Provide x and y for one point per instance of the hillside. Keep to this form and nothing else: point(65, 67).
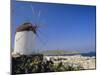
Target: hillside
point(58, 52)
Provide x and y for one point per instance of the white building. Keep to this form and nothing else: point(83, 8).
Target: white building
point(24, 39)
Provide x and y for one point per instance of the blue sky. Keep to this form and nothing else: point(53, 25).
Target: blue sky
point(63, 26)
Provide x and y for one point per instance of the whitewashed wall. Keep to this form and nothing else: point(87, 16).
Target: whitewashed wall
point(24, 42)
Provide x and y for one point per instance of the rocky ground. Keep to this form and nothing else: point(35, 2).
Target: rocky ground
point(23, 64)
point(77, 60)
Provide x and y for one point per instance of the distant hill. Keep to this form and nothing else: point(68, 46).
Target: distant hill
point(58, 52)
point(64, 52)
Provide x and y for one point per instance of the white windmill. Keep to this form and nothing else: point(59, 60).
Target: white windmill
point(25, 38)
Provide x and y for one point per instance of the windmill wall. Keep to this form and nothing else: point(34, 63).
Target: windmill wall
point(24, 42)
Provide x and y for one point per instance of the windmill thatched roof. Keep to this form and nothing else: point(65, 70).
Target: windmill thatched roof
point(26, 27)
